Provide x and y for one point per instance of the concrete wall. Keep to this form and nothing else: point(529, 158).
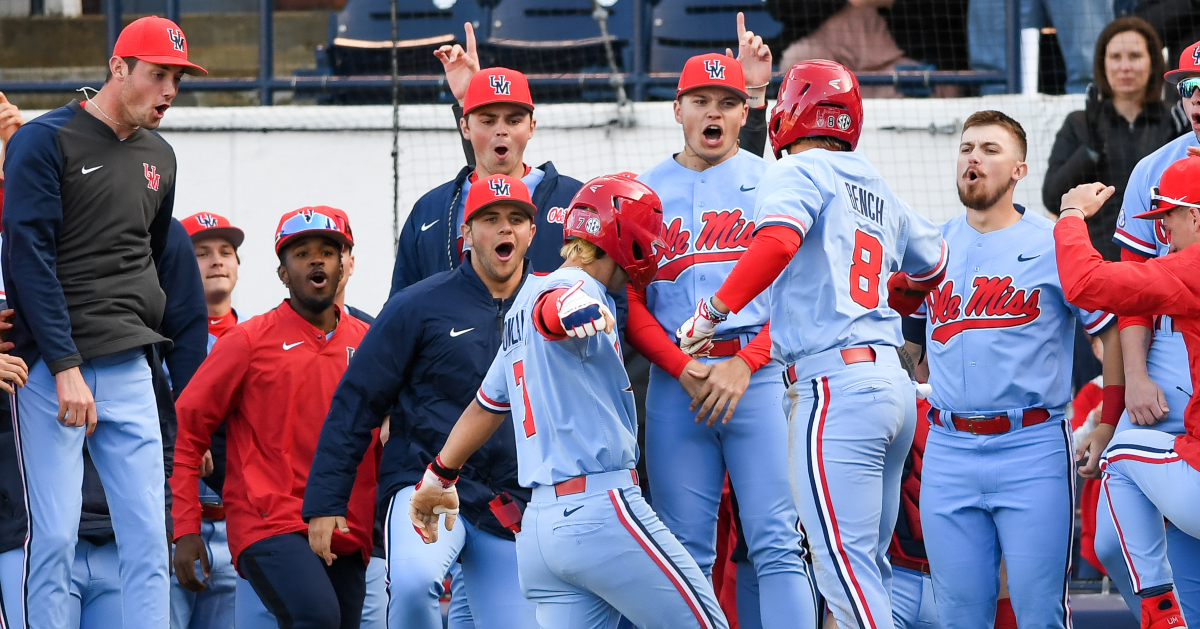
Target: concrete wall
point(253, 164)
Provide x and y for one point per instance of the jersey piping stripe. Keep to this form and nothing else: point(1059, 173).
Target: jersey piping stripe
point(12, 400)
point(387, 565)
point(1137, 581)
point(1069, 535)
point(1135, 244)
point(664, 562)
point(490, 404)
point(820, 489)
point(941, 266)
point(1100, 324)
point(782, 220)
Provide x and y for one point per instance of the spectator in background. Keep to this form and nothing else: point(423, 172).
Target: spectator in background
point(1124, 120)
point(873, 35)
point(1077, 22)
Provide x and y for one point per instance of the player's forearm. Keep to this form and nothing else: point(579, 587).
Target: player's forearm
point(1114, 374)
point(768, 255)
point(474, 427)
point(1135, 347)
point(1122, 288)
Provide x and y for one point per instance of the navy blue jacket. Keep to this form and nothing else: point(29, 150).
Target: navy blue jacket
point(185, 323)
point(411, 365)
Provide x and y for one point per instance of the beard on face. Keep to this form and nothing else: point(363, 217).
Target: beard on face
point(313, 303)
point(981, 198)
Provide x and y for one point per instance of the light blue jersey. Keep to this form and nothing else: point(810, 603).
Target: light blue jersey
point(573, 411)
point(707, 225)
point(856, 233)
point(1002, 338)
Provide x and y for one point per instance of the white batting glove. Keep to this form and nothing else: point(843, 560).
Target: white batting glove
point(433, 496)
point(695, 335)
point(924, 390)
point(581, 315)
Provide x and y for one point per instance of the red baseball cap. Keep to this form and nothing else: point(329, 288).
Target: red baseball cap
point(156, 40)
point(209, 225)
point(317, 220)
point(712, 70)
point(498, 189)
point(497, 85)
point(1189, 64)
point(1179, 186)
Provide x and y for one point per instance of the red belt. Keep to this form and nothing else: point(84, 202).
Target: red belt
point(911, 564)
point(578, 485)
point(212, 512)
point(723, 349)
point(992, 424)
point(850, 356)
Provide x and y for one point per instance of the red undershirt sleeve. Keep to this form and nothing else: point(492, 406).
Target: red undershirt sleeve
point(647, 336)
point(768, 255)
point(545, 316)
point(757, 352)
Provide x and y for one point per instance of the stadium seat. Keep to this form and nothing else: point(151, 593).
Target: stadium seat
point(684, 28)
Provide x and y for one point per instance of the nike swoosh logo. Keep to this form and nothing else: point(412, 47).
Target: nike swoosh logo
point(425, 226)
point(745, 189)
point(213, 321)
point(454, 333)
point(286, 346)
point(567, 512)
point(1022, 258)
point(85, 170)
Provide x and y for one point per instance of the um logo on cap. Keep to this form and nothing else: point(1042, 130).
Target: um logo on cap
point(207, 221)
point(499, 188)
point(177, 39)
point(499, 84)
point(307, 213)
point(1196, 56)
point(715, 69)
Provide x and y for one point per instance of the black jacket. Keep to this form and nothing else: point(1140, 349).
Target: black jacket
point(1071, 164)
point(430, 348)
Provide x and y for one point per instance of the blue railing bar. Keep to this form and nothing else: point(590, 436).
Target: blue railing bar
point(172, 10)
point(266, 52)
point(112, 24)
point(639, 61)
point(1012, 43)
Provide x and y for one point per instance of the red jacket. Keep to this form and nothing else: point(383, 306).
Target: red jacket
point(1169, 285)
point(271, 379)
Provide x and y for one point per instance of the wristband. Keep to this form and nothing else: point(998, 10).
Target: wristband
point(1068, 209)
point(759, 87)
point(449, 475)
point(1114, 404)
point(711, 312)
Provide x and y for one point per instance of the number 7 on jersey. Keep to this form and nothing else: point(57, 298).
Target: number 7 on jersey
point(519, 376)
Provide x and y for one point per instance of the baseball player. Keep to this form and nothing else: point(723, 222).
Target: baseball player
point(434, 343)
point(215, 243)
point(999, 463)
point(1148, 474)
point(828, 227)
point(89, 195)
point(270, 380)
point(1155, 358)
point(704, 189)
point(590, 548)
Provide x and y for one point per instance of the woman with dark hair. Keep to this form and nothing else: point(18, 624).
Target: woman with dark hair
point(1124, 120)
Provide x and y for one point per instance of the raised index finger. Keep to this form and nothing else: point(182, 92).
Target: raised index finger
point(741, 25)
point(470, 38)
point(3, 99)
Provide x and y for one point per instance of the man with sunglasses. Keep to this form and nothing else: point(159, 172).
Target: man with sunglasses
point(1157, 380)
point(271, 380)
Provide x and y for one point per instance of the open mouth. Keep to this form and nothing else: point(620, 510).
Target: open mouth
point(713, 133)
point(161, 110)
point(318, 278)
point(971, 176)
point(1196, 119)
point(501, 152)
point(505, 251)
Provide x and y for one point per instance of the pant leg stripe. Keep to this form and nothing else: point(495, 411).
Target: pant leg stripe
point(387, 564)
point(648, 544)
point(12, 400)
point(1133, 575)
point(1066, 588)
point(820, 489)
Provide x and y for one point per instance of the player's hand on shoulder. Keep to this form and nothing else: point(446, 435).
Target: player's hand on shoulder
point(432, 497)
point(1144, 400)
point(459, 64)
point(695, 335)
point(1087, 198)
point(188, 550)
point(583, 315)
point(320, 535)
point(1091, 449)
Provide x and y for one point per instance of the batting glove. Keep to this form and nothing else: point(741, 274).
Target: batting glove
point(433, 496)
point(695, 335)
point(581, 315)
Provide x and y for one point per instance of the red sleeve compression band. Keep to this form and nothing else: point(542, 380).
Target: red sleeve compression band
point(769, 253)
point(1127, 321)
point(1114, 404)
point(757, 352)
point(647, 336)
point(545, 317)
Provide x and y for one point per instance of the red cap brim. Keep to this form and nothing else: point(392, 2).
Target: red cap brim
point(499, 102)
point(1155, 213)
point(188, 66)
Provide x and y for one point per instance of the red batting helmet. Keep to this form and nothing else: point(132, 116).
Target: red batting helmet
point(622, 216)
point(816, 97)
